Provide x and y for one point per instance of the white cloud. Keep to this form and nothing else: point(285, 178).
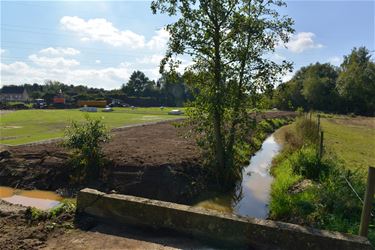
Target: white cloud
point(287, 76)
point(60, 51)
point(275, 57)
point(2, 51)
point(152, 60)
point(98, 61)
point(53, 61)
point(336, 60)
point(160, 40)
point(108, 78)
point(302, 41)
point(99, 29)
point(102, 30)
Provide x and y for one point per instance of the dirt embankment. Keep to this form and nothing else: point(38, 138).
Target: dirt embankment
point(154, 161)
point(19, 230)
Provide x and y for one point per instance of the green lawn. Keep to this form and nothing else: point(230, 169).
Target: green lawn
point(25, 126)
point(352, 139)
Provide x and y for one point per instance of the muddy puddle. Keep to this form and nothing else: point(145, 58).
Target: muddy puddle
point(253, 194)
point(30, 198)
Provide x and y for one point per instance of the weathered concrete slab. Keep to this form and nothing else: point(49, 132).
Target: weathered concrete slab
point(211, 225)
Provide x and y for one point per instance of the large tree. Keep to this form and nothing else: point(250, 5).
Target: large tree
point(137, 84)
point(356, 82)
point(312, 87)
point(319, 86)
point(228, 41)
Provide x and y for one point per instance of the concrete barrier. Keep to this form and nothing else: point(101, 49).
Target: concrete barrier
point(210, 225)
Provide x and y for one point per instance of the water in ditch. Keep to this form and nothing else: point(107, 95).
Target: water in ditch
point(253, 195)
point(30, 198)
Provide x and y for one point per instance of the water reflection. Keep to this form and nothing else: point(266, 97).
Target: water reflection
point(31, 198)
point(252, 195)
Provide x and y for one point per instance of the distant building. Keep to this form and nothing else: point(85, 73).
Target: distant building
point(13, 93)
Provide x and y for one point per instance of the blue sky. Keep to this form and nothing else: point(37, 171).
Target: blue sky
point(99, 44)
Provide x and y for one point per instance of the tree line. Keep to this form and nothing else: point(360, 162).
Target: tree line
point(138, 91)
point(349, 88)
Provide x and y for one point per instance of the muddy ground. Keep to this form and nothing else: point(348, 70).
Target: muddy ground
point(19, 231)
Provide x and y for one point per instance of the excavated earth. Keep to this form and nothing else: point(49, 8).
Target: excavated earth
point(154, 161)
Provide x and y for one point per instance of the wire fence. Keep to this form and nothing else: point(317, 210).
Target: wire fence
point(321, 150)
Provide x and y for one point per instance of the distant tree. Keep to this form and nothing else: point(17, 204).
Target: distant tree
point(356, 82)
point(137, 84)
point(319, 87)
point(173, 90)
point(312, 87)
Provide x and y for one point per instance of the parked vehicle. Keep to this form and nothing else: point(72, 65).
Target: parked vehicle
point(39, 104)
point(98, 104)
point(175, 112)
point(88, 109)
point(107, 109)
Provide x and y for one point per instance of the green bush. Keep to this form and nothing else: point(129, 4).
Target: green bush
point(85, 139)
point(306, 163)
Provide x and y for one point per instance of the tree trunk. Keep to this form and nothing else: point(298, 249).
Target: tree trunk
point(217, 116)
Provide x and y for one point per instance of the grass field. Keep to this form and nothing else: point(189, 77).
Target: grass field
point(352, 139)
point(25, 126)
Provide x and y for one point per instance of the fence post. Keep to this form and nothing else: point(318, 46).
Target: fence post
point(318, 122)
point(321, 144)
point(367, 205)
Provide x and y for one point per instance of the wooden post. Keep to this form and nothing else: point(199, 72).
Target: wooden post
point(318, 122)
point(321, 144)
point(367, 205)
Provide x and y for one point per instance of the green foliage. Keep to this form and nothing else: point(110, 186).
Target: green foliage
point(86, 140)
point(283, 204)
point(305, 162)
point(67, 206)
point(226, 40)
point(34, 214)
point(356, 82)
point(349, 88)
point(137, 84)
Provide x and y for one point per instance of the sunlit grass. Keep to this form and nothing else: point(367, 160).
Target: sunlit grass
point(26, 126)
point(352, 139)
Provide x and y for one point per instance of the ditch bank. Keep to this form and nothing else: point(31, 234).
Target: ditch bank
point(230, 230)
point(154, 161)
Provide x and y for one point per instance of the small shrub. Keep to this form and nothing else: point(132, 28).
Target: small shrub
point(306, 163)
point(265, 126)
point(293, 142)
point(86, 139)
point(307, 130)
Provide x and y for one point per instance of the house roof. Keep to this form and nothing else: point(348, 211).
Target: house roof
point(12, 90)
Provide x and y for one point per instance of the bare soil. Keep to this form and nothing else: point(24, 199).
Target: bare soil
point(19, 231)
